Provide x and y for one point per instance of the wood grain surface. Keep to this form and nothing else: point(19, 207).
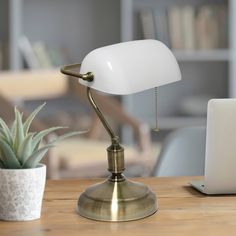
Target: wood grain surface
point(182, 211)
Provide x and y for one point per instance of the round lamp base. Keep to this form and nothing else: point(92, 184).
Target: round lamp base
point(122, 200)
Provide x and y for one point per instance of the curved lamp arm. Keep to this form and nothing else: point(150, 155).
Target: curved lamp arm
point(114, 138)
point(68, 70)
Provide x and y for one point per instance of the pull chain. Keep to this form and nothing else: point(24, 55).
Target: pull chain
point(156, 128)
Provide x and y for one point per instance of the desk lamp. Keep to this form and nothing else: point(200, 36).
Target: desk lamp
point(123, 68)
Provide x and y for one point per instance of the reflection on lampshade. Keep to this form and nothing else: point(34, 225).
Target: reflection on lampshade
point(130, 67)
point(123, 68)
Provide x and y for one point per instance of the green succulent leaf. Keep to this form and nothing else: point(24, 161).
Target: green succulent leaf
point(21, 149)
point(8, 156)
point(19, 131)
point(25, 148)
point(5, 131)
point(31, 117)
point(67, 135)
point(2, 164)
point(39, 136)
point(13, 129)
point(36, 157)
point(3, 136)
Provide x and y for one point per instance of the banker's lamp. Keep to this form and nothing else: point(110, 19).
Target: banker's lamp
point(123, 68)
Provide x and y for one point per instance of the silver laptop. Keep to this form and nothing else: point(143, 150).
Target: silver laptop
point(220, 156)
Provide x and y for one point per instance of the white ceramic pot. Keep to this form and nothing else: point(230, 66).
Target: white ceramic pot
point(21, 193)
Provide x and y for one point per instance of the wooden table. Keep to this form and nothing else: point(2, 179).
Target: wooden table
point(182, 211)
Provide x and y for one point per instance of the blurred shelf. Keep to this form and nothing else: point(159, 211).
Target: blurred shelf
point(203, 55)
point(205, 72)
point(34, 84)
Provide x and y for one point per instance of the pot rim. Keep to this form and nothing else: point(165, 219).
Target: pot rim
point(40, 166)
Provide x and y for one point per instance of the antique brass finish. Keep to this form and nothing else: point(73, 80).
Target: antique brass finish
point(68, 70)
point(101, 117)
point(115, 152)
point(117, 198)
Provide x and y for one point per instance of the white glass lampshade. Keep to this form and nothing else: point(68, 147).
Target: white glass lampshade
point(130, 67)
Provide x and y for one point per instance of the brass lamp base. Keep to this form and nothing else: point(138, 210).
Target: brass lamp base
point(117, 199)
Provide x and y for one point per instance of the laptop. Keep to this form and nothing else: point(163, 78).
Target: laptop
point(220, 155)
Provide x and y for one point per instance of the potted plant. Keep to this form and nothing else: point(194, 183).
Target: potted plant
point(22, 177)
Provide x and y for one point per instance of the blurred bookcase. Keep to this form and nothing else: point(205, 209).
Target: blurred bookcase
point(202, 35)
point(4, 35)
point(207, 72)
point(55, 29)
point(61, 29)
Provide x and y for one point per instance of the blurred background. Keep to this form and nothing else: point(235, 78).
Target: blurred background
point(37, 37)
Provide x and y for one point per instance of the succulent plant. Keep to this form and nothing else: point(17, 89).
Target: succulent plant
point(21, 149)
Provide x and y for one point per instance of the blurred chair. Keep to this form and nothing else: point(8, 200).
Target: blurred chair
point(75, 157)
point(86, 158)
point(183, 153)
